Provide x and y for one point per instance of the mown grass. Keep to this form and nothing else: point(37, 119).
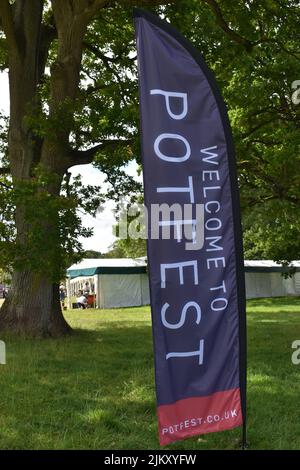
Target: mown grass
point(95, 389)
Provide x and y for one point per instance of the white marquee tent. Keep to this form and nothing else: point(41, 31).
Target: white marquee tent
point(264, 279)
point(123, 282)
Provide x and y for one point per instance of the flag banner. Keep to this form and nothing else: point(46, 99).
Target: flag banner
point(194, 244)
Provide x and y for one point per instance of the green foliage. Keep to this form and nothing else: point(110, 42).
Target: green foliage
point(46, 217)
point(92, 254)
point(256, 81)
point(127, 248)
point(3, 53)
point(130, 230)
point(255, 61)
point(110, 94)
point(105, 110)
point(256, 85)
point(272, 231)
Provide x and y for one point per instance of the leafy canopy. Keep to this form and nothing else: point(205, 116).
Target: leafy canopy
point(252, 47)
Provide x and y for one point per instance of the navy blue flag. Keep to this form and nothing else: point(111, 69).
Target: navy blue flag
point(194, 237)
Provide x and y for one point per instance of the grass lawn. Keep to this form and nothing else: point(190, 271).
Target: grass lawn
point(95, 389)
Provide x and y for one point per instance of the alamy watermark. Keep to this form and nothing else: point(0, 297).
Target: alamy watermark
point(2, 353)
point(164, 222)
point(296, 353)
point(296, 93)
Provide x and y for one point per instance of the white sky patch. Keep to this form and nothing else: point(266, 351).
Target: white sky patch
point(104, 221)
point(4, 93)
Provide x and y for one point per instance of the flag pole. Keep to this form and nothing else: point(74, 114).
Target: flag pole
point(243, 369)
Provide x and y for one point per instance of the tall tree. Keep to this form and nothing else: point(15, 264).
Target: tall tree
point(253, 48)
point(43, 50)
point(74, 100)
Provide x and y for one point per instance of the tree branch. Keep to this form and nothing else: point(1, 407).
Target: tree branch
point(83, 157)
point(4, 185)
point(108, 63)
point(104, 57)
point(48, 34)
point(93, 89)
point(259, 126)
point(248, 45)
point(5, 171)
point(6, 18)
point(280, 45)
point(68, 178)
point(94, 6)
point(146, 3)
point(230, 32)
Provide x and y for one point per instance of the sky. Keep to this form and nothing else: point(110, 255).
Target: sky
point(104, 221)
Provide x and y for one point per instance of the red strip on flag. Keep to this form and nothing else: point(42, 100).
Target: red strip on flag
point(219, 411)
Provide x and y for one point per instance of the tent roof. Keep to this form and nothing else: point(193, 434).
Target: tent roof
point(269, 266)
point(92, 266)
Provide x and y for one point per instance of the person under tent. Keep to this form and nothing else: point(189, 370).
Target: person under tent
point(82, 301)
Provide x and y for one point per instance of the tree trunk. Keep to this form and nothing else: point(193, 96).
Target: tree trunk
point(33, 307)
